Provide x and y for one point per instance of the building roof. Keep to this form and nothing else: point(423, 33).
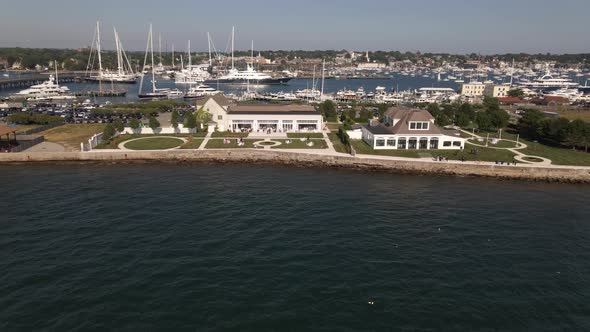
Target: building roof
point(220, 99)
point(272, 109)
point(402, 117)
point(5, 130)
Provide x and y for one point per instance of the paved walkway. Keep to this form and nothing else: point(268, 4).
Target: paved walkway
point(46, 147)
point(519, 155)
point(205, 141)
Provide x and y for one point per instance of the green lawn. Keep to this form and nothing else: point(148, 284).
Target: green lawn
point(483, 154)
point(304, 135)
point(338, 145)
point(298, 144)
point(558, 156)
point(227, 134)
point(195, 143)
point(154, 143)
point(218, 144)
point(114, 143)
point(333, 126)
point(499, 144)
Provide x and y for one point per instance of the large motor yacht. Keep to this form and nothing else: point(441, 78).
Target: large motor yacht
point(248, 76)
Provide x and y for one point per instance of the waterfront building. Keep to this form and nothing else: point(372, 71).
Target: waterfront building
point(496, 91)
point(410, 129)
point(474, 89)
point(230, 116)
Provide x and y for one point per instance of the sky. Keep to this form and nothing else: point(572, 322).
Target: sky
point(450, 26)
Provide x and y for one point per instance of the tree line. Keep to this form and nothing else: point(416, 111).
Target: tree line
point(554, 131)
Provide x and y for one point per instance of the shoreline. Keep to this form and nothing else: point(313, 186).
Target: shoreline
point(559, 174)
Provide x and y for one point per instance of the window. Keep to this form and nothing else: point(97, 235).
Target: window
point(456, 143)
point(446, 143)
point(401, 143)
point(391, 142)
point(419, 125)
point(220, 117)
point(380, 142)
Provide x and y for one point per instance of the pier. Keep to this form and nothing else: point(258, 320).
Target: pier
point(24, 82)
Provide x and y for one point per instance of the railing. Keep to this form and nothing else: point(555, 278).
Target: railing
point(39, 129)
point(23, 145)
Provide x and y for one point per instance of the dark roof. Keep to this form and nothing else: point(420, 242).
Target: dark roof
point(272, 109)
point(379, 130)
point(4, 130)
point(411, 114)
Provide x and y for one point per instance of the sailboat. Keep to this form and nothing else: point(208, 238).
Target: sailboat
point(162, 93)
point(124, 73)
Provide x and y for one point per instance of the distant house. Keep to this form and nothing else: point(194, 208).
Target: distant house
point(227, 115)
point(410, 129)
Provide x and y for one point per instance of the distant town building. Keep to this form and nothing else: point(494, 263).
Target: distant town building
point(410, 129)
point(475, 89)
point(496, 91)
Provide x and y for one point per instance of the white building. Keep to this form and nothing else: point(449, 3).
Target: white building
point(496, 91)
point(410, 129)
point(475, 89)
point(226, 115)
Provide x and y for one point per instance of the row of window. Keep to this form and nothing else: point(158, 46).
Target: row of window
point(381, 142)
point(419, 125)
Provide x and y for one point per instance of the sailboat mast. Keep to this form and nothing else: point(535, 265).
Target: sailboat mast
point(323, 77)
point(147, 47)
point(189, 55)
point(98, 48)
point(512, 72)
point(119, 54)
point(160, 46)
point(152, 53)
point(173, 65)
point(232, 46)
point(209, 44)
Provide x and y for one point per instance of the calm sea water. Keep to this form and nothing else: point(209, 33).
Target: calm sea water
point(257, 248)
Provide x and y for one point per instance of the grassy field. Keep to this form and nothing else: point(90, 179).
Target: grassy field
point(558, 156)
point(573, 114)
point(218, 144)
point(483, 154)
point(304, 135)
point(333, 126)
point(154, 143)
point(298, 144)
point(338, 145)
point(499, 144)
point(20, 128)
point(227, 134)
point(195, 143)
point(71, 135)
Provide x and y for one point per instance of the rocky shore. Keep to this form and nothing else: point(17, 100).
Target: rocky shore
point(518, 172)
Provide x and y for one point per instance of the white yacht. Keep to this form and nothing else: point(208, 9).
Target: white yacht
point(192, 74)
point(547, 82)
point(47, 89)
point(248, 76)
point(199, 91)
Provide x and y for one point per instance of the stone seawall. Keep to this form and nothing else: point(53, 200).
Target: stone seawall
point(549, 174)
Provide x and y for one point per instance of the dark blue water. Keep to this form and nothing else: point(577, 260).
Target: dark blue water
point(397, 82)
point(256, 248)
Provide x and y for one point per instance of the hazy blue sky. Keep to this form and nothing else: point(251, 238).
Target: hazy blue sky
point(457, 26)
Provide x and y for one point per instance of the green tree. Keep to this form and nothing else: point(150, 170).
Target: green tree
point(134, 124)
point(491, 104)
point(174, 119)
point(516, 93)
point(108, 132)
point(530, 123)
point(118, 124)
point(483, 121)
point(154, 123)
point(328, 110)
point(190, 121)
